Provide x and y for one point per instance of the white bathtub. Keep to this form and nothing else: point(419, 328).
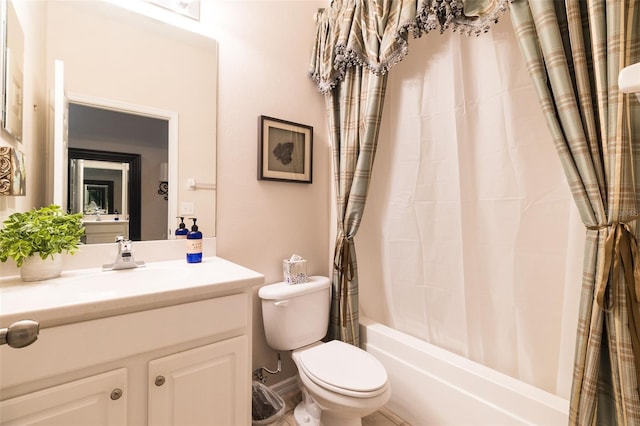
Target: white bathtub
point(431, 386)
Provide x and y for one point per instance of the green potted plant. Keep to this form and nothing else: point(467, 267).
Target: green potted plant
point(35, 240)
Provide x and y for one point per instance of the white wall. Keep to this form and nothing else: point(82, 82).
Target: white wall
point(264, 51)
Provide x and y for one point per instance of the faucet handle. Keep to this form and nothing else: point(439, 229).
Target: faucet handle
point(124, 258)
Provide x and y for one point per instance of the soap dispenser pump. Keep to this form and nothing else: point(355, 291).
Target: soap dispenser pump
point(182, 231)
point(194, 244)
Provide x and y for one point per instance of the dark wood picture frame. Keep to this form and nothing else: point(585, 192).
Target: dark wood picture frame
point(285, 150)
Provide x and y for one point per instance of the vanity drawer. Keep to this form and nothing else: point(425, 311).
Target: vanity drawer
point(105, 232)
point(66, 348)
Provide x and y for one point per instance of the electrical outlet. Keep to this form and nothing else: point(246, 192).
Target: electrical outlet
point(186, 208)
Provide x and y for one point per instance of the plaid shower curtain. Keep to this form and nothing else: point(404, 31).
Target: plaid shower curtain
point(575, 50)
point(357, 43)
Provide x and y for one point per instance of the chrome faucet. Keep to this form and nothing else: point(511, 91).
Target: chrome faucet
point(124, 258)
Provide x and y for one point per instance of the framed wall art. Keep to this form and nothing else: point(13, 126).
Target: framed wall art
point(285, 150)
point(12, 171)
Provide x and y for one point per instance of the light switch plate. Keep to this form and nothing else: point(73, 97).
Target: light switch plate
point(186, 208)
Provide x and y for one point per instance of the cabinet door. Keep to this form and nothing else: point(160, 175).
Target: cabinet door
point(203, 386)
point(95, 400)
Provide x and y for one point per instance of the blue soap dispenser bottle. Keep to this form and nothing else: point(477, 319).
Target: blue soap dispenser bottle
point(194, 244)
point(182, 231)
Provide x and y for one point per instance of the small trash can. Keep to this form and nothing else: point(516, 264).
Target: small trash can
point(266, 406)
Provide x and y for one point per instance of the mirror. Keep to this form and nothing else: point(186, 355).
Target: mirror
point(166, 94)
point(12, 78)
point(99, 188)
point(118, 140)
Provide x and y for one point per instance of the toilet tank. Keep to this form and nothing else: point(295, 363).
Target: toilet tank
point(295, 315)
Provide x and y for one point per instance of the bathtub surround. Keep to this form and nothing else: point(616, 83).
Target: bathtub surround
point(432, 386)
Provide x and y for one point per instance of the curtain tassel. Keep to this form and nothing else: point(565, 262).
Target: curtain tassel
point(621, 255)
point(342, 263)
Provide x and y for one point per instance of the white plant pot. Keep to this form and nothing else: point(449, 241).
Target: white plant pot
point(36, 269)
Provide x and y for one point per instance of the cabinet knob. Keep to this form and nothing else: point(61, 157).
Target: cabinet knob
point(20, 333)
point(160, 380)
point(116, 394)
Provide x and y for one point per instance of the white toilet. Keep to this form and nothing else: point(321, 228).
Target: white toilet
point(340, 383)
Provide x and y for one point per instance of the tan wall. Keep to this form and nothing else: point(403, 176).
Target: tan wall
point(264, 50)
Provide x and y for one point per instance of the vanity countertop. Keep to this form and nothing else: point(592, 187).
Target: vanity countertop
point(84, 294)
point(101, 221)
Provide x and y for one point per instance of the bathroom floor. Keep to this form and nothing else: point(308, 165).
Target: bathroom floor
point(382, 417)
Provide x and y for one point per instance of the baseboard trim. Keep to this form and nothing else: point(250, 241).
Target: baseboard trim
point(285, 386)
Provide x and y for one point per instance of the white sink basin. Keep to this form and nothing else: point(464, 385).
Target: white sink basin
point(91, 293)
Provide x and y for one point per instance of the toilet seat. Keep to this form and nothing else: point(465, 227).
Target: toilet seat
point(343, 368)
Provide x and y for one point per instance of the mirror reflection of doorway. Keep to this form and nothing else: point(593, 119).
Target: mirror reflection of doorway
point(97, 128)
point(99, 193)
point(131, 189)
point(114, 175)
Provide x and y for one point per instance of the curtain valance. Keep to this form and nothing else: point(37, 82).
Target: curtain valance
point(373, 34)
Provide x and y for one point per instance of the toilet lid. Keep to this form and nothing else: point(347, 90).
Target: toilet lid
point(343, 366)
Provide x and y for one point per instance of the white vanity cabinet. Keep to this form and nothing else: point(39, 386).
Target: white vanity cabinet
point(185, 364)
point(93, 400)
point(201, 386)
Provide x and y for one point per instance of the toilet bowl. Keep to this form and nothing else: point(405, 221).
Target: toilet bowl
point(340, 383)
